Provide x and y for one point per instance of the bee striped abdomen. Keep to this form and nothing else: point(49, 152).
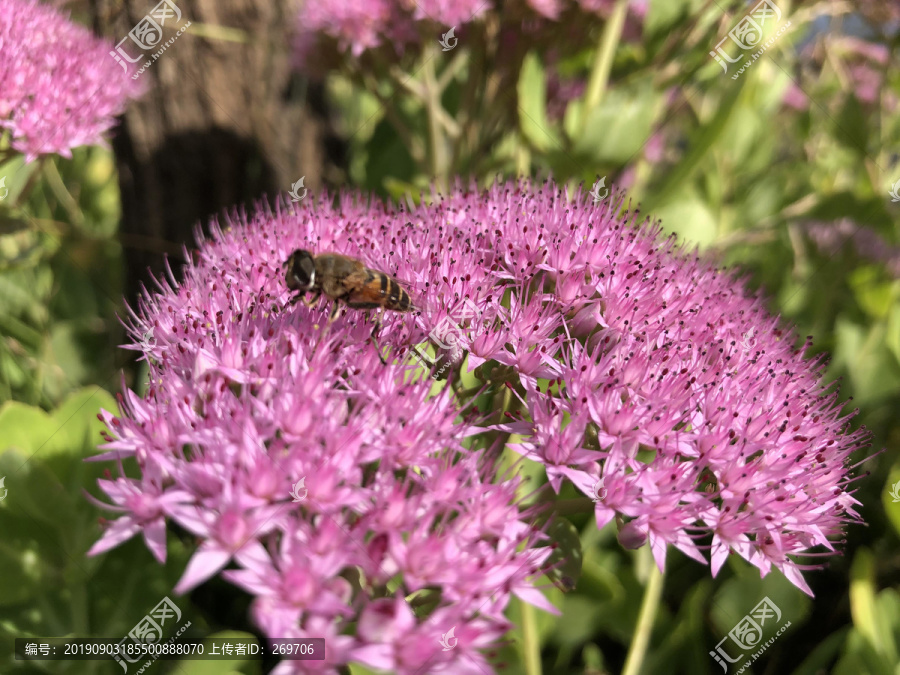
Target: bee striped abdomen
point(397, 299)
point(405, 304)
point(394, 297)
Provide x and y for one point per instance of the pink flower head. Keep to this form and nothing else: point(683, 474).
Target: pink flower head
point(59, 87)
point(301, 460)
point(450, 12)
point(357, 24)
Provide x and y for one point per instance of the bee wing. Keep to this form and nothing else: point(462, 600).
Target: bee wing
point(360, 285)
point(368, 288)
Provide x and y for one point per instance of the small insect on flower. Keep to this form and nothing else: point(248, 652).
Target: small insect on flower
point(344, 279)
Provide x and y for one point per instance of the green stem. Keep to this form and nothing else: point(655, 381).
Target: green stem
point(437, 147)
point(531, 646)
point(523, 159)
point(58, 186)
point(469, 100)
point(29, 183)
point(641, 637)
point(395, 118)
point(612, 33)
point(456, 64)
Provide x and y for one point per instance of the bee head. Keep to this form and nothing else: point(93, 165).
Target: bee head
point(301, 271)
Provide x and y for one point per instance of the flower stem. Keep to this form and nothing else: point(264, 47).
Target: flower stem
point(58, 186)
point(523, 160)
point(438, 154)
point(29, 183)
point(641, 637)
point(392, 112)
point(532, 647)
point(612, 33)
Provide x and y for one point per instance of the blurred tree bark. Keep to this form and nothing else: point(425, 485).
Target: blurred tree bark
point(224, 123)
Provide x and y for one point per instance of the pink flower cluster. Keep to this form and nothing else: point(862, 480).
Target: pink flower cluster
point(59, 88)
point(358, 25)
point(650, 380)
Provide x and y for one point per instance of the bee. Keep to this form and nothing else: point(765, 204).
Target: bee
point(343, 280)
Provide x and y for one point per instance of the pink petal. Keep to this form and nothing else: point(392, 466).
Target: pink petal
point(155, 538)
point(121, 529)
point(209, 559)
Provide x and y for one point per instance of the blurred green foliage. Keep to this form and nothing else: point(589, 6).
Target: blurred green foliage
point(748, 170)
point(60, 277)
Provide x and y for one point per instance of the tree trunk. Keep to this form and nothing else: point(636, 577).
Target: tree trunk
point(224, 122)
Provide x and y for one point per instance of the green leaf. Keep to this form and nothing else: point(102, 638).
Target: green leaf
point(740, 594)
point(24, 427)
point(703, 142)
point(387, 156)
point(869, 615)
point(21, 245)
point(860, 657)
point(690, 219)
point(42, 459)
point(862, 352)
point(567, 554)
point(72, 429)
point(18, 572)
point(619, 126)
point(890, 497)
point(17, 174)
point(684, 640)
point(532, 91)
point(852, 126)
point(65, 351)
point(35, 494)
point(823, 655)
point(892, 339)
point(579, 621)
point(663, 14)
point(401, 190)
point(873, 293)
point(235, 666)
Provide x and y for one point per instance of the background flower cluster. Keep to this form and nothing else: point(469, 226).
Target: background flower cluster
point(60, 89)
